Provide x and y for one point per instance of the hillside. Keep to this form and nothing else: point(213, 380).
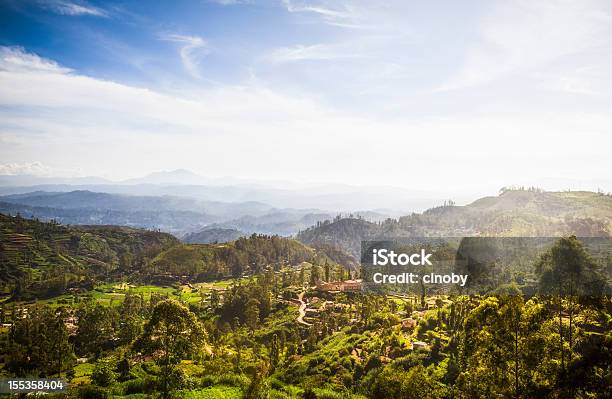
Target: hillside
point(39, 260)
point(211, 235)
point(245, 256)
point(44, 259)
point(512, 213)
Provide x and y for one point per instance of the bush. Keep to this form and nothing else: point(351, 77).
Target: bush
point(279, 395)
point(258, 388)
point(275, 383)
point(140, 385)
point(329, 394)
point(179, 380)
point(103, 374)
point(208, 381)
point(92, 392)
point(234, 380)
point(309, 394)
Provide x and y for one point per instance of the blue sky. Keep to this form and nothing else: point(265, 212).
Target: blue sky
point(469, 95)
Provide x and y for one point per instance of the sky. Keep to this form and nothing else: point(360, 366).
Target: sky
point(466, 96)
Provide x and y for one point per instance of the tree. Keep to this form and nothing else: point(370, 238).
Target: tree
point(414, 384)
point(251, 313)
point(130, 327)
point(96, 328)
point(171, 334)
point(566, 269)
point(103, 374)
point(215, 299)
point(258, 387)
point(39, 343)
point(275, 350)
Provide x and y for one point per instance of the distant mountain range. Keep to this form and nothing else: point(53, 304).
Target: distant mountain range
point(183, 183)
point(176, 215)
point(513, 213)
point(182, 202)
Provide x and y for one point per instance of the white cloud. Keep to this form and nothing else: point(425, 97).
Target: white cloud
point(355, 14)
point(32, 168)
point(313, 53)
point(521, 36)
point(193, 48)
point(15, 59)
point(60, 117)
point(73, 8)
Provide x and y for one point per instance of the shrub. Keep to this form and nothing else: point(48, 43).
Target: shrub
point(179, 380)
point(234, 380)
point(208, 381)
point(275, 383)
point(140, 385)
point(309, 394)
point(279, 395)
point(92, 392)
point(103, 374)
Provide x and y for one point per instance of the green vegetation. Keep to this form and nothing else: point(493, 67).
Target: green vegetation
point(516, 212)
point(42, 260)
point(47, 260)
point(221, 321)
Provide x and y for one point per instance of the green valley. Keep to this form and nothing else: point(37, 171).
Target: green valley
point(119, 312)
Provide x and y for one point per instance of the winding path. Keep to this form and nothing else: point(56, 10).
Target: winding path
point(302, 310)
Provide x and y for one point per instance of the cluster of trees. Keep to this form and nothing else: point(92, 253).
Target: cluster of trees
point(44, 342)
point(247, 255)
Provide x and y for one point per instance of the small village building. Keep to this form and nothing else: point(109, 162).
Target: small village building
point(419, 345)
point(409, 323)
point(340, 286)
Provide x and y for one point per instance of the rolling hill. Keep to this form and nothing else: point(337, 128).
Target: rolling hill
point(40, 260)
point(511, 213)
point(44, 259)
point(213, 235)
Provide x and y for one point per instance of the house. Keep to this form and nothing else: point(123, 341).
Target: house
point(341, 286)
point(419, 345)
point(409, 323)
point(351, 285)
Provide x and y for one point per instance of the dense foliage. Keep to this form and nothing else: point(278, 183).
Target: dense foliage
point(268, 332)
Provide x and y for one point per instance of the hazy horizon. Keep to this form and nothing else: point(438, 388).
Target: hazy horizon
point(460, 100)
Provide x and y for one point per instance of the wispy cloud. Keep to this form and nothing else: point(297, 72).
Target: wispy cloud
point(337, 14)
point(74, 8)
point(520, 36)
point(192, 50)
point(316, 52)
